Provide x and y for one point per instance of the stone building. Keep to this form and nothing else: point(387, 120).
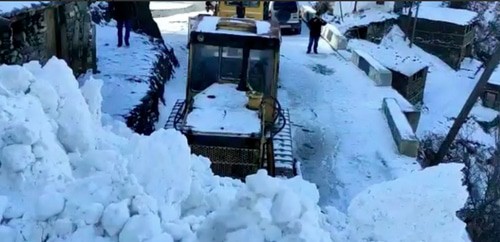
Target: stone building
point(444, 32)
point(38, 32)
point(491, 95)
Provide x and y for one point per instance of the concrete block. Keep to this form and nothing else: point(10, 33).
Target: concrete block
point(376, 71)
point(402, 132)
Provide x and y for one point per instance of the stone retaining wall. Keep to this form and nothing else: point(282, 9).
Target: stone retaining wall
point(61, 29)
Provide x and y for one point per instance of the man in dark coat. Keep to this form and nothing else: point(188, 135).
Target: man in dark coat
point(315, 25)
point(123, 12)
point(240, 10)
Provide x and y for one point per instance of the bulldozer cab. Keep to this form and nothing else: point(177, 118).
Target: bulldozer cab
point(241, 52)
point(231, 108)
point(257, 10)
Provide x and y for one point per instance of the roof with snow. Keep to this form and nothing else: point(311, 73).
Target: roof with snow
point(213, 24)
point(396, 60)
point(364, 18)
point(495, 77)
point(448, 15)
point(9, 9)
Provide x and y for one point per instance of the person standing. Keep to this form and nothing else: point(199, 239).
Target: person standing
point(315, 25)
point(240, 10)
point(123, 12)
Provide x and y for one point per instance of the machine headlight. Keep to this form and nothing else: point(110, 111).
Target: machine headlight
point(200, 37)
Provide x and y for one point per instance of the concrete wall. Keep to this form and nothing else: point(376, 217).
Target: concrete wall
point(62, 30)
point(379, 74)
point(402, 132)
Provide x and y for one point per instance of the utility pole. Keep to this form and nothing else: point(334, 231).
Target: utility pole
point(414, 24)
point(462, 116)
point(341, 14)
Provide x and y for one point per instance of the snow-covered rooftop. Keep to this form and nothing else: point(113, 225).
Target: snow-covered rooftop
point(443, 14)
point(395, 59)
point(222, 109)
point(364, 18)
point(7, 7)
point(495, 77)
point(208, 24)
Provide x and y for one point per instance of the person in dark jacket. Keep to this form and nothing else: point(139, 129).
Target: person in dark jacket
point(123, 12)
point(240, 10)
point(315, 25)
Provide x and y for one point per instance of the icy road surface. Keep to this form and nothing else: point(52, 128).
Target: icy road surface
point(340, 134)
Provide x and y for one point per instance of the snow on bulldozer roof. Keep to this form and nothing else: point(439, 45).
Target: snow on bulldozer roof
point(236, 26)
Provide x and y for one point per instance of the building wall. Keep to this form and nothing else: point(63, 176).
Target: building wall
point(450, 42)
point(62, 30)
point(373, 32)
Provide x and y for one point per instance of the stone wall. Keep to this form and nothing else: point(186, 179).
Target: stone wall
point(61, 29)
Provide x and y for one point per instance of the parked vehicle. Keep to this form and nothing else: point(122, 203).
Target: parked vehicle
point(253, 9)
point(287, 13)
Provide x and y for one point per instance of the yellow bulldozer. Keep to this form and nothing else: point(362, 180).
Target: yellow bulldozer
point(231, 113)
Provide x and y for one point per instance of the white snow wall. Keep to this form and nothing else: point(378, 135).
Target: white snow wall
point(66, 177)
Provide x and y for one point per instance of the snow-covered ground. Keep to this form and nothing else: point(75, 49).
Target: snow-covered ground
point(125, 70)
point(70, 174)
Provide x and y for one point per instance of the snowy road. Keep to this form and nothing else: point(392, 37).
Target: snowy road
point(340, 134)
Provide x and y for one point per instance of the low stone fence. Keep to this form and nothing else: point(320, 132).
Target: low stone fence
point(401, 130)
point(376, 71)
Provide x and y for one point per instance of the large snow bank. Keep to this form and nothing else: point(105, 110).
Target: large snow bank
point(66, 177)
point(417, 207)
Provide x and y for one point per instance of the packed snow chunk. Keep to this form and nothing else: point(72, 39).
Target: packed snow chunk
point(49, 204)
point(90, 214)
point(262, 184)
point(75, 121)
point(161, 238)
point(63, 227)
point(91, 91)
point(16, 157)
point(20, 133)
point(419, 207)
point(115, 216)
point(162, 164)
point(141, 228)
point(7, 234)
point(258, 215)
point(286, 207)
point(14, 80)
point(143, 204)
point(249, 234)
point(4, 202)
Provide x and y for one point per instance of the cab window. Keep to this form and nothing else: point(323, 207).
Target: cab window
point(251, 4)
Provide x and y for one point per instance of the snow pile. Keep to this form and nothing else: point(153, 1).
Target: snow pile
point(417, 207)
point(65, 177)
point(273, 211)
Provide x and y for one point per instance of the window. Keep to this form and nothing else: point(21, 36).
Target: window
point(204, 67)
point(230, 63)
point(251, 4)
point(490, 98)
point(289, 6)
point(261, 70)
